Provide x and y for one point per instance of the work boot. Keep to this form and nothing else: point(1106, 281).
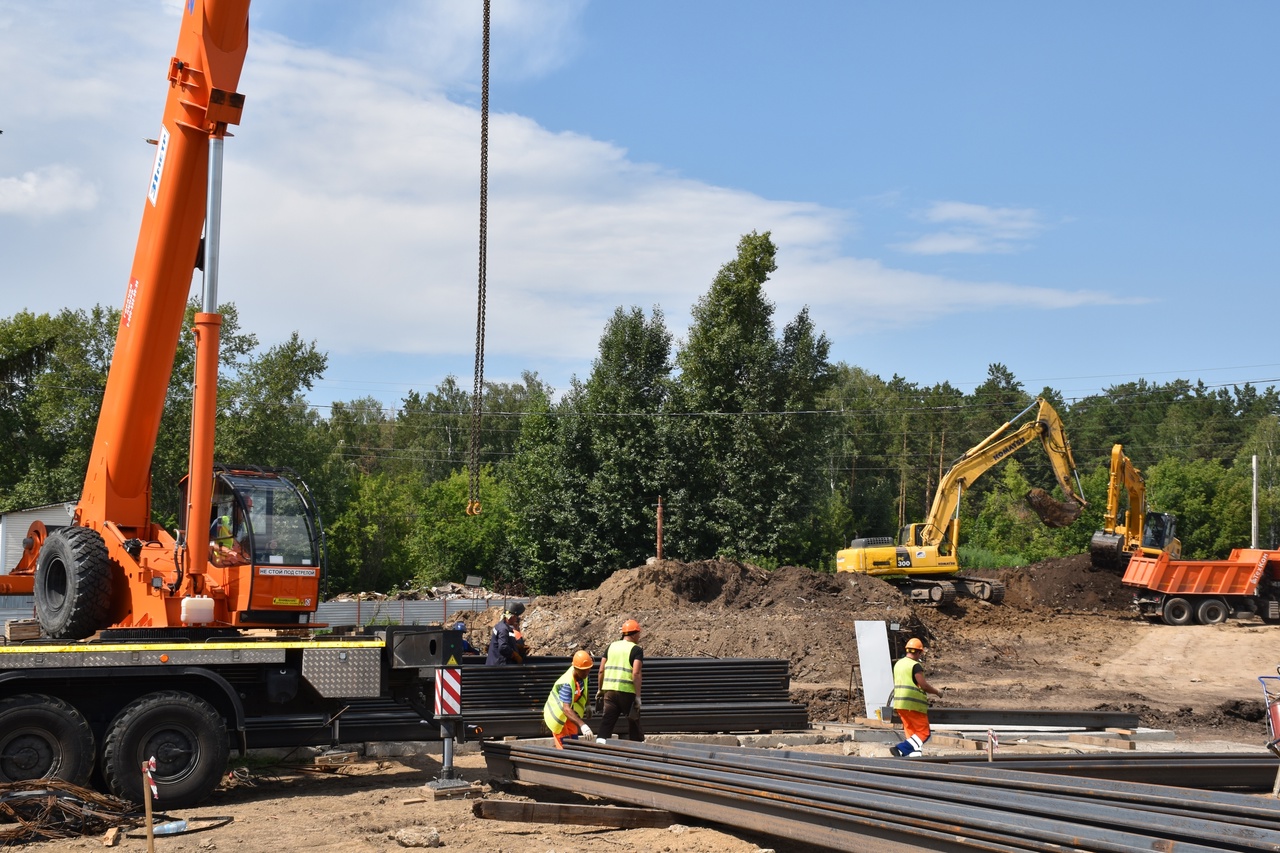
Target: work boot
point(895, 752)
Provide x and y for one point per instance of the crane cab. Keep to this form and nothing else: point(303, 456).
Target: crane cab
point(266, 546)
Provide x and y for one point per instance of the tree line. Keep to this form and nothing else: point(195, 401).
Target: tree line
point(758, 446)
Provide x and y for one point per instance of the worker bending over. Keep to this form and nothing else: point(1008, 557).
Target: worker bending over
point(910, 700)
point(567, 702)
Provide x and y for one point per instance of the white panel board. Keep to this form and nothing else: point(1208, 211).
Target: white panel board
point(876, 666)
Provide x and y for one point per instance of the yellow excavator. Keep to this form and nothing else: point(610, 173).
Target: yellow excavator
point(923, 560)
point(1133, 529)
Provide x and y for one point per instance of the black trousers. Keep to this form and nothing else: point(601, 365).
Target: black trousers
point(618, 704)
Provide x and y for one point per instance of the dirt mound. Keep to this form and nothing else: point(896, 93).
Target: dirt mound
point(722, 608)
point(1056, 642)
point(1065, 583)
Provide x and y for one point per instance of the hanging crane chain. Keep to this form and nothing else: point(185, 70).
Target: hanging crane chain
point(477, 387)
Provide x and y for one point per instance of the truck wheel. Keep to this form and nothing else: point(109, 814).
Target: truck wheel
point(73, 584)
point(1177, 611)
point(186, 736)
point(43, 737)
point(1212, 611)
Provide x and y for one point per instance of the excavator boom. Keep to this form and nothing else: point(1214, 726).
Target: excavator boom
point(923, 560)
point(1132, 529)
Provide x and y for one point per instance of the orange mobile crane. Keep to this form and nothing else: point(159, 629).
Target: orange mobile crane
point(113, 567)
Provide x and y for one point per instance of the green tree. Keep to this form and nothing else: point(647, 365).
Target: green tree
point(448, 545)
point(748, 469)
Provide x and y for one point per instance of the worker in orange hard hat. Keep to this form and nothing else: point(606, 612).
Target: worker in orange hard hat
point(566, 705)
point(911, 700)
point(620, 669)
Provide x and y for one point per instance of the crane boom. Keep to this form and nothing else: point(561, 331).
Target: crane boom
point(249, 551)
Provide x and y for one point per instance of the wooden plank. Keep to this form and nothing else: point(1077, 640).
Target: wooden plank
point(1102, 740)
point(22, 629)
point(873, 723)
point(951, 742)
point(446, 792)
point(1121, 732)
point(614, 816)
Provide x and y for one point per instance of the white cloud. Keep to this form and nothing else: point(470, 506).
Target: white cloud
point(351, 205)
point(47, 191)
point(974, 229)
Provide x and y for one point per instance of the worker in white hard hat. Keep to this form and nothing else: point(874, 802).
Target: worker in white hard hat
point(565, 709)
point(911, 700)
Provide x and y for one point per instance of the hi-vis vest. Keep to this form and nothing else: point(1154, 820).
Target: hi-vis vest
point(553, 713)
point(617, 667)
point(906, 695)
point(222, 531)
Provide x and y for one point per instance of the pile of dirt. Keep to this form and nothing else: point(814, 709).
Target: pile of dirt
point(1064, 638)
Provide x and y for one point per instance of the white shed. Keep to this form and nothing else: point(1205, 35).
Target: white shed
point(14, 525)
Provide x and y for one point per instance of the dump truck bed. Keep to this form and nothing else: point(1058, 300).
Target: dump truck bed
point(1239, 574)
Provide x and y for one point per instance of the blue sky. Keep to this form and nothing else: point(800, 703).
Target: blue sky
point(1083, 192)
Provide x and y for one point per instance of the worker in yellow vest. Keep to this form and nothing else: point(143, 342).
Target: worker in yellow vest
point(620, 671)
point(566, 704)
point(911, 700)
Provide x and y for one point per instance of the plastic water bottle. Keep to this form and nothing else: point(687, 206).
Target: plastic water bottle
point(173, 827)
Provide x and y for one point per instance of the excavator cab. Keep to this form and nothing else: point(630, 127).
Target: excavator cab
point(1159, 530)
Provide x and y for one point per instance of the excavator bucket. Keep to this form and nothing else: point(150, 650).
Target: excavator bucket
point(1053, 513)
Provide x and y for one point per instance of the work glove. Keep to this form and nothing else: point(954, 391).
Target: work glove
point(587, 734)
point(599, 703)
point(634, 713)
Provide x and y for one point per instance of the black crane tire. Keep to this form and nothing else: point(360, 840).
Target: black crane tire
point(1178, 611)
point(184, 733)
point(73, 584)
point(44, 737)
point(1212, 611)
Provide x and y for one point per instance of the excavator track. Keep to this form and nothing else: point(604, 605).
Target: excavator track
point(928, 593)
point(983, 589)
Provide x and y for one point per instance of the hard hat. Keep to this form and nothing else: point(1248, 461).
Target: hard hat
point(460, 626)
point(631, 626)
point(582, 660)
point(516, 609)
point(914, 643)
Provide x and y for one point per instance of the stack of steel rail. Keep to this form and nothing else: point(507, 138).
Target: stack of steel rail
point(898, 805)
point(680, 695)
point(1220, 771)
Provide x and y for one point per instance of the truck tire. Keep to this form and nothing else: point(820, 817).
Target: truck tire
point(1178, 611)
point(43, 737)
point(73, 584)
point(1212, 611)
point(186, 736)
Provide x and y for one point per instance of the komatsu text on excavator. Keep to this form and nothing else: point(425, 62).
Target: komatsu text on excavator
point(923, 560)
point(1132, 529)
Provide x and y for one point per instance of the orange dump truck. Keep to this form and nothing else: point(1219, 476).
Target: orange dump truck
point(1180, 592)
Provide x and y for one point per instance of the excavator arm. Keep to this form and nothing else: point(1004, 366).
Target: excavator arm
point(939, 526)
point(923, 560)
point(1133, 529)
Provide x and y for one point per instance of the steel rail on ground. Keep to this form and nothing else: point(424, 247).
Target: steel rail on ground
point(852, 807)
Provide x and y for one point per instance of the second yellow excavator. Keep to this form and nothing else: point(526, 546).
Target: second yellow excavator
point(923, 560)
point(1133, 529)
